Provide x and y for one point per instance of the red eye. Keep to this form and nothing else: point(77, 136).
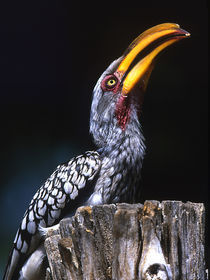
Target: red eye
point(109, 83)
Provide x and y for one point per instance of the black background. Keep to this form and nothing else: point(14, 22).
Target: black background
point(51, 55)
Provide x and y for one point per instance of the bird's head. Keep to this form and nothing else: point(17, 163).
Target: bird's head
point(118, 94)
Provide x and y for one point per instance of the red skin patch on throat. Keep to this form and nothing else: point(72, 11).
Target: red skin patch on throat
point(123, 111)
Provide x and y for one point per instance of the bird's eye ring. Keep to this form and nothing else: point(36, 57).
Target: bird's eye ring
point(109, 83)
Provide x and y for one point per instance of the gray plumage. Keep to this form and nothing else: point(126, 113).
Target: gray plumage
point(122, 150)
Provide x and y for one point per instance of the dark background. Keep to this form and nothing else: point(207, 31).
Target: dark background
point(51, 55)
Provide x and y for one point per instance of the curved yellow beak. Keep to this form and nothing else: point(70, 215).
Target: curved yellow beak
point(161, 35)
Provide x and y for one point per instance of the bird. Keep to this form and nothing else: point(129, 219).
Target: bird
point(109, 174)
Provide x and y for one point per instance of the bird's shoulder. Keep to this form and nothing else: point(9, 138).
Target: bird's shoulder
point(61, 188)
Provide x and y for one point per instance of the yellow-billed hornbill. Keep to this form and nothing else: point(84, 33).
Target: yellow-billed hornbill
point(111, 173)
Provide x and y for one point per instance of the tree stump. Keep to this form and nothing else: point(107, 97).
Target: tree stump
point(154, 241)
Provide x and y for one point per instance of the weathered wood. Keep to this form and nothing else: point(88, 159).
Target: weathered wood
point(58, 270)
point(154, 241)
point(126, 241)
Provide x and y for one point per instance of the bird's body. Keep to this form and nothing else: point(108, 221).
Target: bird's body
point(110, 174)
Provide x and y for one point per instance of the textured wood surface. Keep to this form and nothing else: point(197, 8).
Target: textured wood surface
point(154, 241)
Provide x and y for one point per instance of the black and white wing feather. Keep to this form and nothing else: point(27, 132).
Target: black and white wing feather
point(68, 187)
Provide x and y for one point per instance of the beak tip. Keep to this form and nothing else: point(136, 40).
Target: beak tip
point(184, 32)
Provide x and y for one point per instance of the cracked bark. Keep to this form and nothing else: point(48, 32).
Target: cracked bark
point(154, 241)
